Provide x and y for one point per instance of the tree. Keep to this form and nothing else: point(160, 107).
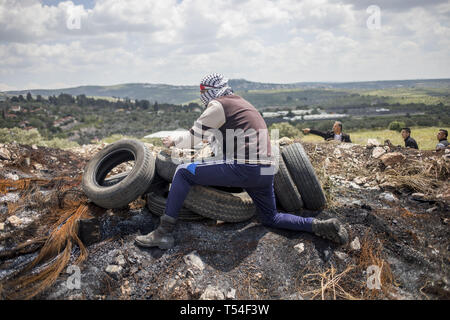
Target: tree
point(396, 126)
point(145, 104)
point(285, 129)
point(82, 100)
point(29, 97)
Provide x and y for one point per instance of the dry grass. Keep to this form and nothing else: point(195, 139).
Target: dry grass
point(330, 284)
point(371, 255)
point(56, 252)
point(349, 284)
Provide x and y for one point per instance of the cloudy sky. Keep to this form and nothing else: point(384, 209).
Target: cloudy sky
point(55, 44)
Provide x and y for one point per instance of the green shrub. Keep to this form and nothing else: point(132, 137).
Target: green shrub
point(285, 129)
point(116, 137)
point(396, 126)
point(59, 143)
point(20, 136)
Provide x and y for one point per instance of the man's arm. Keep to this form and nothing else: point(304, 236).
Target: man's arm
point(319, 133)
point(212, 118)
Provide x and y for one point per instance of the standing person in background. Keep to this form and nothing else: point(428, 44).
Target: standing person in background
point(335, 134)
point(442, 138)
point(409, 141)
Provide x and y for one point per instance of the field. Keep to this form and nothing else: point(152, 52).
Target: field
point(425, 137)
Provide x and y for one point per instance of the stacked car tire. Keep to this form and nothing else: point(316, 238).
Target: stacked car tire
point(295, 184)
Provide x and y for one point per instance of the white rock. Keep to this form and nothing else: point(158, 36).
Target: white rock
point(373, 142)
point(34, 147)
point(11, 176)
point(300, 247)
point(2, 226)
point(192, 259)
point(387, 196)
point(5, 154)
point(231, 294)
point(378, 152)
point(341, 255)
point(120, 260)
point(337, 153)
point(327, 162)
point(431, 210)
point(360, 180)
point(355, 244)
point(357, 203)
point(418, 196)
point(114, 270)
point(14, 221)
point(353, 185)
point(212, 293)
point(171, 283)
point(38, 166)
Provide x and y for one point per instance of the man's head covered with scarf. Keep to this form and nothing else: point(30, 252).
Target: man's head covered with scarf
point(214, 86)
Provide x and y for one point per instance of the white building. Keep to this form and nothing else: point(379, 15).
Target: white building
point(324, 116)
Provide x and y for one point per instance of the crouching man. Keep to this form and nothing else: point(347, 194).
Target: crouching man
point(226, 111)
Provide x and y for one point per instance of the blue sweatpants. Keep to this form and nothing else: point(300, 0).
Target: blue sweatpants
point(247, 176)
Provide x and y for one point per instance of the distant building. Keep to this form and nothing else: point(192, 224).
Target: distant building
point(300, 112)
point(270, 114)
point(324, 116)
point(63, 121)
point(24, 124)
point(15, 109)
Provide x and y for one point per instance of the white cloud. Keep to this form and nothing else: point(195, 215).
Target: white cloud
point(178, 42)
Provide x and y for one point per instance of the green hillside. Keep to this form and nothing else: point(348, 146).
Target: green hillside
point(273, 94)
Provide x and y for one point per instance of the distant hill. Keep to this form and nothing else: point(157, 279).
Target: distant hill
point(164, 93)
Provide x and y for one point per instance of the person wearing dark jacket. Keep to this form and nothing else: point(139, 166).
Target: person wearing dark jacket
point(335, 134)
point(409, 141)
point(442, 138)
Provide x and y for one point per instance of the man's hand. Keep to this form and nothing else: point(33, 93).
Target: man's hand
point(306, 130)
point(168, 142)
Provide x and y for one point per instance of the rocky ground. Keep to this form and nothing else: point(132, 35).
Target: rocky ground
point(394, 203)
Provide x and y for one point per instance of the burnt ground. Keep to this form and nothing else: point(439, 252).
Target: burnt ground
point(398, 212)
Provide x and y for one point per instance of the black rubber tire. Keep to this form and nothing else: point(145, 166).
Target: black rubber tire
point(157, 184)
point(130, 187)
point(165, 167)
point(220, 205)
point(156, 203)
point(112, 180)
point(286, 190)
point(304, 177)
point(209, 202)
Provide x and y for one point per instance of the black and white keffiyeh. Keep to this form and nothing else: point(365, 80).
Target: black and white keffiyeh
point(216, 85)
